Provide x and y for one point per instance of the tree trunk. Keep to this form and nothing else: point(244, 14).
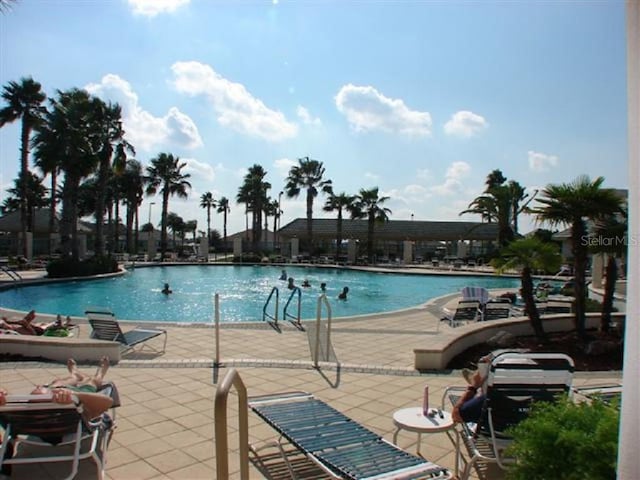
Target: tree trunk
point(339, 236)
point(52, 213)
point(309, 222)
point(578, 232)
point(163, 223)
point(609, 291)
point(370, 228)
point(530, 305)
point(24, 169)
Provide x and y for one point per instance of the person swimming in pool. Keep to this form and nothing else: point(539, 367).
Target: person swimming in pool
point(343, 294)
point(323, 287)
point(305, 283)
point(283, 275)
point(167, 290)
point(290, 284)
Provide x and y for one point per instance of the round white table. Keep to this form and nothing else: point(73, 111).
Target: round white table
point(413, 420)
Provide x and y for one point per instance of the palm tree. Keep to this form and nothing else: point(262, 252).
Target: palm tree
point(132, 187)
point(176, 224)
point(574, 204)
point(207, 201)
point(501, 203)
point(367, 204)
point(68, 137)
point(24, 101)
point(611, 240)
point(307, 175)
point(49, 163)
point(338, 203)
point(223, 207)
point(253, 193)
point(111, 139)
point(165, 175)
point(35, 195)
point(528, 255)
point(191, 226)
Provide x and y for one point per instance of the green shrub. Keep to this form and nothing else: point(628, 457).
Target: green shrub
point(565, 440)
point(66, 267)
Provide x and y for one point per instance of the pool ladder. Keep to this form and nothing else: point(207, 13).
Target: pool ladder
point(12, 274)
point(266, 315)
point(286, 315)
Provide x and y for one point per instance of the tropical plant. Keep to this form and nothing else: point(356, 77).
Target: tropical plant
point(191, 226)
point(165, 175)
point(35, 196)
point(367, 204)
point(253, 193)
point(339, 202)
point(308, 175)
point(528, 255)
point(223, 208)
point(566, 439)
point(501, 203)
point(176, 224)
point(110, 137)
point(131, 185)
point(24, 101)
point(574, 204)
point(67, 136)
point(208, 202)
point(611, 240)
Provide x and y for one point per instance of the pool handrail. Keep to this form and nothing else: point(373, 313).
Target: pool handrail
point(285, 314)
point(322, 299)
point(266, 304)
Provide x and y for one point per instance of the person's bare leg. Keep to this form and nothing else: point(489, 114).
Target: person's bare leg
point(72, 366)
point(101, 372)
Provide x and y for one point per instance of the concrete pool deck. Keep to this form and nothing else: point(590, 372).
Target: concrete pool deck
point(166, 421)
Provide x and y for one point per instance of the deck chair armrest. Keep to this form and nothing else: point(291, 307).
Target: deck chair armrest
point(279, 397)
point(450, 391)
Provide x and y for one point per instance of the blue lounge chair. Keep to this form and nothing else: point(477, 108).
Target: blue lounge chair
point(343, 448)
point(105, 327)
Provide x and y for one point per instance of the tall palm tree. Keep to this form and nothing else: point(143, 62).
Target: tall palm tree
point(49, 163)
point(132, 187)
point(191, 226)
point(24, 101)
point(339, 203)
point(176, 224)
point(69, 136)
point(574, 204)
point(253, 193)
point(367, 204)
point(610, 239)
point(308, 175)
point(223, 207)
point(207, 201)
point(165, 175)
point(35, 195)
point(528, 255)
point(111, 138)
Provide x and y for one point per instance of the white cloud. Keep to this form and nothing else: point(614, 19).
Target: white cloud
point(452, 183)
point(283, 166)
point(306, 117)
point(541, 162)
point(367, 109)
point(423, 174)
point(371, 176)
point(235, 106)
point(151, 8)
point(199, 170)
point(465, 124)
point(143, 130)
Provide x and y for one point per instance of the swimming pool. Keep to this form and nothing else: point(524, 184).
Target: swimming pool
point(243, 291)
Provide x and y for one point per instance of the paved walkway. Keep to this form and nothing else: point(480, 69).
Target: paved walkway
point(166, 421)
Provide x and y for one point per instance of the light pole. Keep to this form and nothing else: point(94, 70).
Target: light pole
point(279, 220)
point(151, 204)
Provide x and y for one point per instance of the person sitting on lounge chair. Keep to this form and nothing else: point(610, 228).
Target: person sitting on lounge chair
point(469, 407)
point(83, 386)
point(23, 326)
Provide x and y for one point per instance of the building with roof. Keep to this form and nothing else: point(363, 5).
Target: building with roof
point(430, 239)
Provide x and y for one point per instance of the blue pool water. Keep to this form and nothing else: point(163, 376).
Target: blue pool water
point(243, 291)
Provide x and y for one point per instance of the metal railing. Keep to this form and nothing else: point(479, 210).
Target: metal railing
point(12, 274)
point(286, 314)
point(265, 315)
point(232, 378)
point(322, 299)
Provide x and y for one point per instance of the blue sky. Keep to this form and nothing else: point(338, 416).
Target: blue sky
point(421, 99)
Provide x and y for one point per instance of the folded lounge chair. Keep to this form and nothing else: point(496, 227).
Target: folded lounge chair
point(105, 327)
point(515, 381)
point(53, 428)
point(343, 448)
point(480, 294)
